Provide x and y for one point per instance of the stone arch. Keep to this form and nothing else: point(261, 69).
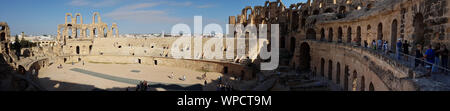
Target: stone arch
point(76, 18)
point(380, 31)
point(322, 34)
point(78, 50)
point(340, 34)
point(96, 15)
point(346, 77)
point(94, 33)
point(329, 10)
point(342, 10)
point(87, 33)
point(363, 84)
point(371, 87)
point(2, 36)
point(358, 36)
point(330, 34)
point(349, 35)
point(419, 30)
point(394, 32)
point(90, 49)
point(292, 44)
point(71, 21)
point(311, 34)
point(330, 70)
point(22, 70)
point(354, 80)
point(338, 73)
point(322, 67)
point(305, 57)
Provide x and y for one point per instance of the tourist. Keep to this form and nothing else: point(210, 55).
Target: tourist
point(399, 47)
point(374, 45)
point(380, 44)
point(444, 56)
point(429, 57)
point(437, 61)
point(365, 44)
point(385, 47)
point(419, 56)
point(406, 49)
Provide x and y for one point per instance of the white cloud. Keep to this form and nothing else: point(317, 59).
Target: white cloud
point(94, 3)
point(139, 13)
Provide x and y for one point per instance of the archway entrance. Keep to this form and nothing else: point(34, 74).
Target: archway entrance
point(349, 35)
point(419, 30)
point(330, 35)
point(346, 76)
point(330, 70)
point(311, 34)
point(355, 81)
point(322, 67)
point(380, 32)
point(305, 57)
point(339, 35)
point(78, 50)
point(2, 36)
point(394, 35)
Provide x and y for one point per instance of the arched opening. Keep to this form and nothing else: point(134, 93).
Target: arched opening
point(330, 35)
point(349, 35)
point(339, 35)
point(292, 44)
point(330, 70)
point(225, 70)
point(88, 33)
point(322, 67)
point(371, 87)
point(90, 48)
point(78, 49)
point(3, 36)
point(156, 62)
point(69, 31)
point(95, 35)
point(316, 12)
point(329, 10)
point(311, 34)
point(419, 30)
point(358, 36)
point(282, 42)
point(342, 10)
point(113, 32)
point(338, 73)
point(363, 84)
point(380, 32)
point(394, 35)
point(355, 81)
point(305, 57)
point(22, 70)
point(105, 32)
point(139, 61)
point(346, 77)
point(322, 34)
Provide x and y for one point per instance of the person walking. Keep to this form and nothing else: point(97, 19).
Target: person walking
point(385, 47)
point(419, 56)
point(406, 49)
point(374, 45)
point(429, 57)
point(437, 60)
point(380, 44)
point(399, 47)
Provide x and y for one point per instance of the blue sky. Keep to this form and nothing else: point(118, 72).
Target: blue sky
point(132, 16)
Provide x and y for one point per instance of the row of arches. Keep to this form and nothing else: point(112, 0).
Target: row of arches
point(78, 19)
point(351, 80)
point(356, 37)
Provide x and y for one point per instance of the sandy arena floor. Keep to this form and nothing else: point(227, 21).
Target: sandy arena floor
point(117, 77)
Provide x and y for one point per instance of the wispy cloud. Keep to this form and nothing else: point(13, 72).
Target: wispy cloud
point(94, 3)
point(205, 6)
point(140, 13)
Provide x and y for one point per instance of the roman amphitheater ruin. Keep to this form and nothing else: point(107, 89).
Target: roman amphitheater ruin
point(322, 47)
